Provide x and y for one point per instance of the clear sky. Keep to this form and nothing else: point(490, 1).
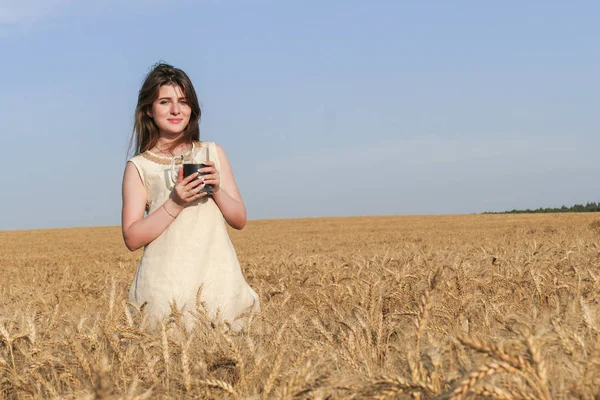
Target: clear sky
point(324, 108)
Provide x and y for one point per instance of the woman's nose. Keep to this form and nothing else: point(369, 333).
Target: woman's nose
point(175, 109)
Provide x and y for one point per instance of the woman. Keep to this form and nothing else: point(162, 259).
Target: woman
point(186, 246)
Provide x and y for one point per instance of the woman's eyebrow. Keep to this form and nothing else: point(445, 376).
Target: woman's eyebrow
point(171, 98)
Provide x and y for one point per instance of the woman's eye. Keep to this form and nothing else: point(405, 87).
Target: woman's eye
point(183, 101)
point(164, 102)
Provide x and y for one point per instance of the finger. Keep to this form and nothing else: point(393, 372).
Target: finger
point(213, 177)
point(193, 184)
point(209, 163)
point(180, 175)
point(189, 178)
point(197, 190)
point(198, 196)
point(191, 194)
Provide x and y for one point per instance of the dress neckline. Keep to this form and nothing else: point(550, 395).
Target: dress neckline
point(168, 160)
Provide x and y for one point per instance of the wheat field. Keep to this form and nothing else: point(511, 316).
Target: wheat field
point(419, 307)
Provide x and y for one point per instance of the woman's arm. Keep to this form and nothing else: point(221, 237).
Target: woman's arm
point(228, 197)
point(139, 231)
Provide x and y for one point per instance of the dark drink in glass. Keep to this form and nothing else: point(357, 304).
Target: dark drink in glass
point(189, 169)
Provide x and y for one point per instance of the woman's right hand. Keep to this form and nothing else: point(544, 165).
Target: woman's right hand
point(187, 189)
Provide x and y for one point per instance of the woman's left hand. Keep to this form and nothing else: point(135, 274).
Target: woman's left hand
point(213, 177)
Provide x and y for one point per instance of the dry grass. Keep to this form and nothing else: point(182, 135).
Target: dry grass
point(495, 306)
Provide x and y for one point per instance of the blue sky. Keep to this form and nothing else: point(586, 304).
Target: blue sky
point(324, 108)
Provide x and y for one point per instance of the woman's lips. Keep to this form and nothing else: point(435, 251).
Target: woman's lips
point(174, 121)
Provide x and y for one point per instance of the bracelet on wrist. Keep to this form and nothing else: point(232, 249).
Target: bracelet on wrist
point(168, 213)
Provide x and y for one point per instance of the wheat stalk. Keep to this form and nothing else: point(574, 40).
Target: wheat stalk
point(494, 393)
point(468, 383)
point(272, 376)
point(495, 352)
point(102, 390)
point(9, 344)
point(165, 351)
point(517, 365)
point(187, 378)
point(239, 361)
point(112, 296)
point(78, 352)
point(150, 363)
point(112, 342)
point(127, 312)
point(32, 330)
point(538, 361)
point(397, 384)
point(221, 385)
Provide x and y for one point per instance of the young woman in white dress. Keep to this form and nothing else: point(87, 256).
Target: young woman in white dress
point(187, 250)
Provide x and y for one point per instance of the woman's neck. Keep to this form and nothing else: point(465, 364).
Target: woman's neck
point(165, 145)
point(165, 140)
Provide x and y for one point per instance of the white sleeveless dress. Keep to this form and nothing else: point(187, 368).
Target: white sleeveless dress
point(194, 251)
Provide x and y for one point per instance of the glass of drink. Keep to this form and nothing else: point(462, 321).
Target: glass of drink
point(195, 163)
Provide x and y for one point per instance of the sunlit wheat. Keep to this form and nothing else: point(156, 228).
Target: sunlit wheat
point(444, 307)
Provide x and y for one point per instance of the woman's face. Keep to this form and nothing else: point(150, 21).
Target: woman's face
point(170, 111)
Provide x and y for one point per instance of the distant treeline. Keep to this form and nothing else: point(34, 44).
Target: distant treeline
point(589, 207)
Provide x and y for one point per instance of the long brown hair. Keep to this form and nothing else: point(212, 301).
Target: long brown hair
point(145, 132)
